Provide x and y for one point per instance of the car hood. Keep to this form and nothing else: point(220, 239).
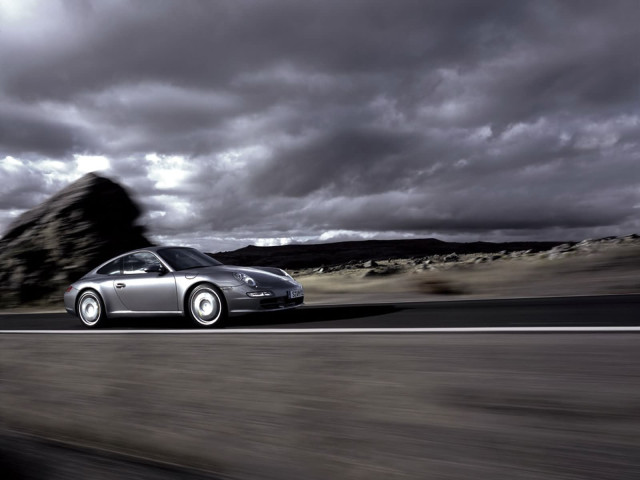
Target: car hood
point(265, 277)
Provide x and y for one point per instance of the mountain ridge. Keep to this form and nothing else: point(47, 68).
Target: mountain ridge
point(329, 254)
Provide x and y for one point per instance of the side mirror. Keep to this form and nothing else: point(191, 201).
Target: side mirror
point(154, 268)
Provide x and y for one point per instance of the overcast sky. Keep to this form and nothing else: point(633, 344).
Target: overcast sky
point(264, 122)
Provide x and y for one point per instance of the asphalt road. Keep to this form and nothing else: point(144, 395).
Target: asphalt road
point(611, 310)
point(328, 405)
point(24, 457)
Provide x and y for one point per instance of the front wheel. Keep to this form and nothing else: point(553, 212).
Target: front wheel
point(91, 309)
point(206, 307)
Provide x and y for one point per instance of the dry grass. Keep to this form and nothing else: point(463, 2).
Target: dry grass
point(615, 270)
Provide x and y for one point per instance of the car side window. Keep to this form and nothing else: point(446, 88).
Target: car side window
point(111, 268)
point(136, 263)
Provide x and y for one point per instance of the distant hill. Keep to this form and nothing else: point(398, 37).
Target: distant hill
point(328, 254)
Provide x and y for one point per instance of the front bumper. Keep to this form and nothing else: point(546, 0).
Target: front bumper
point(278, 303)
point(70, 301)
point(238, 302)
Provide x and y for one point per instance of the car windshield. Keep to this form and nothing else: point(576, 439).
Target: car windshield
point(186, 258)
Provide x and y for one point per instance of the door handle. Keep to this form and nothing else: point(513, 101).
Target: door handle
point(120, 285)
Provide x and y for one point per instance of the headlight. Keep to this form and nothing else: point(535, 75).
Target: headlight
point(259, 294)
point(245, 279)
point(286, 274)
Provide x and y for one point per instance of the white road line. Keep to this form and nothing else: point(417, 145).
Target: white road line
point(240, 331)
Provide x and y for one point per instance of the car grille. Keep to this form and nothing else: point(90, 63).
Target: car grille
point(280, 302)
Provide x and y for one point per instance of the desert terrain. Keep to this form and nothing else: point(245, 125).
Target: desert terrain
point(591, 267)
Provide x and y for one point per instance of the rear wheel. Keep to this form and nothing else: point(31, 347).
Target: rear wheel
point(206, 307)
point(91, 309)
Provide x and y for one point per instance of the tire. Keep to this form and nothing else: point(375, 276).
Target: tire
point(91, 309)
point(206, 307)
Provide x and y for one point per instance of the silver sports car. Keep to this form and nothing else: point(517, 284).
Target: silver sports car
point(182, 281)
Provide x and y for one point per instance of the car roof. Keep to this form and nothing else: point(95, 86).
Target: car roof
point(151, 248)
point(155, 248)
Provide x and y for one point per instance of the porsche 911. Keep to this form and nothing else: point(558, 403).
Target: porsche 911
point(181, 281)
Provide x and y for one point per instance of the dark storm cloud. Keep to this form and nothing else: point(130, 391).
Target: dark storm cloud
point(292, 119)
point(29, 131)
point(353, 160)
point(200, 43)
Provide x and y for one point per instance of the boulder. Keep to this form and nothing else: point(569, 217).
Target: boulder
point(452, 257)
point(382, 271)
point(559, 251)
point(55, 243)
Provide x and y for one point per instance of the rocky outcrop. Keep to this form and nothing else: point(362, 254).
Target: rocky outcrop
point(583, 248)
point(453, 261)
point(55, 243)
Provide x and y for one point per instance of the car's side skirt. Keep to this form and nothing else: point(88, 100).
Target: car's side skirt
point(132, 313)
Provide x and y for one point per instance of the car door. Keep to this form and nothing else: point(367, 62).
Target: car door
point(145, 285)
